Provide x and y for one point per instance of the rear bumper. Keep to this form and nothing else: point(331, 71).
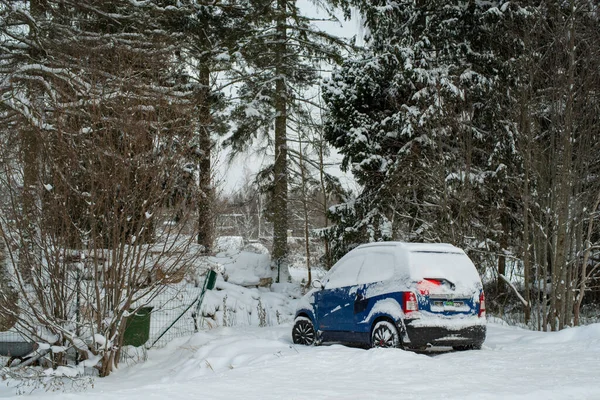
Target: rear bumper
point(423, 336)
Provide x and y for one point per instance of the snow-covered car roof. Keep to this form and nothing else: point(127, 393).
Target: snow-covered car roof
point(416, 247)
point(418, 261)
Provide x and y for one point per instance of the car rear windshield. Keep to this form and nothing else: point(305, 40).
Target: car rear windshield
point(455, 267)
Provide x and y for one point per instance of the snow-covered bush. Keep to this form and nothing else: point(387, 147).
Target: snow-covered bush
point(93, 163)
point(234, 305)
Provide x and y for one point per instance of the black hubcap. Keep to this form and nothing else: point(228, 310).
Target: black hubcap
point(383, 337)
point(303, 333)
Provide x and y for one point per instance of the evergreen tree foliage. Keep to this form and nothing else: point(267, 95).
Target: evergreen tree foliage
point(475, 123)
point(281, 61)
point(211, 35)
point(409, 115)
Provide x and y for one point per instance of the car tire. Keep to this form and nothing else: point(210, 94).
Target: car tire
point(384, 335)
point(467, 347)
point(303, 332)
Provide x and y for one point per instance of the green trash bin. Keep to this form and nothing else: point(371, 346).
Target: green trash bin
point(137, 327)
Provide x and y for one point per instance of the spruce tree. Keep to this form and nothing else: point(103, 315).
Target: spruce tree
point(211, 35)
point(413, 118)
point(281, 60)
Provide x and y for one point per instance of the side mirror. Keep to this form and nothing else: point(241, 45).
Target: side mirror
point(317, 284)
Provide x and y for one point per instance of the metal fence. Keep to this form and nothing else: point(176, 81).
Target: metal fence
point(177, 312)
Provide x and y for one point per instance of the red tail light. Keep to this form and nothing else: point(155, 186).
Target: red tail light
point(410, 302)
point(427, 284)
point(482, 304)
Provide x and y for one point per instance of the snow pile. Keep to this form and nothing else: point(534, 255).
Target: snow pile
point(233, 305)
point(174, 310)
point(229, 244)
point(254, 363)
point(224, 349)
point(251, 357)
point(262, 363)
point(583, 333)
point(299, 273)
point(248, 265)
point(255, 247)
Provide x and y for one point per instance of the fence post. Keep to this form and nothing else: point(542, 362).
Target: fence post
point(278, 270)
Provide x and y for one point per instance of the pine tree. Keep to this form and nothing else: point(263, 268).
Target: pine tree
point(474, 124)
point(281, 60)
point(211, 35)
point(407, 115)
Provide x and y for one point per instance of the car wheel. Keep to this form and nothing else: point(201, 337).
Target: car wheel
point(385, 335)
point(467, 347)
point(303, 332)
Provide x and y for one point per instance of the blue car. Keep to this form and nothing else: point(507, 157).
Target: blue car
point(395, 294)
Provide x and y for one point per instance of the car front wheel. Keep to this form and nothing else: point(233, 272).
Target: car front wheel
point(385, 335)
point(303, 332)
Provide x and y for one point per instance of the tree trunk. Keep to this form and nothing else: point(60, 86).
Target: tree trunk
point(526, 239)
point(305, 213)
point(583, 276)
point(564, 196)
point(30, 158)
point(30, 149)
point(280, 189)
point(500, 284)
point(324, 205)
point(206, 195)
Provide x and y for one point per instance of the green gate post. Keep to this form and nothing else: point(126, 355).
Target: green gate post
point(211, 279)
point(209, 284)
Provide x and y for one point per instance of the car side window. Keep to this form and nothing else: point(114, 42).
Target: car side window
point(377, 267)
point(345, 273)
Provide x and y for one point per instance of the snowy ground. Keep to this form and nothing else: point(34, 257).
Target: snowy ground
point(262, 363)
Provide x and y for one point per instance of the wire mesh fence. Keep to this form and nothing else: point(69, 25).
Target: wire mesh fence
point(14, 344)
point(174, 315)
point(177, 312)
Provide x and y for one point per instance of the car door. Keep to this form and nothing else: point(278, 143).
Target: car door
point(374, 284)
point(335, 303)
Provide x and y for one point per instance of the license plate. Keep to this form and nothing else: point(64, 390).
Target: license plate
point(448, 303)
